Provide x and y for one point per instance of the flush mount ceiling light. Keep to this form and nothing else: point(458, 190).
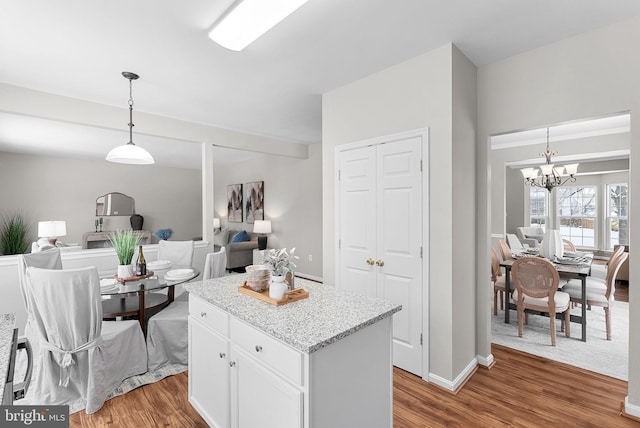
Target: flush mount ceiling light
point(250, 19)
point(550, 176)
point(130, 153)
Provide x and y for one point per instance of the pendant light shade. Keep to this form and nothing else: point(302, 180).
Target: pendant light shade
point(130, 153)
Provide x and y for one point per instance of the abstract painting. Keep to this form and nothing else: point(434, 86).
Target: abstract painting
point(254, 201)
point(234, 203)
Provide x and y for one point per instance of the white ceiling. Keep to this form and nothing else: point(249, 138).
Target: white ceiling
point(78, 48)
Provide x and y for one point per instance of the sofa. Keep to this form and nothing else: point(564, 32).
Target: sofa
point(239, 254)
point(530, 235)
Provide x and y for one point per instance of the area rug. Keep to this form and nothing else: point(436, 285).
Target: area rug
point(597, 354)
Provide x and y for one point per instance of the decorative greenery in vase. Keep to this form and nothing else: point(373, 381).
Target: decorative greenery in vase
point(124, 242)
point(280, 261)
point(13, 234)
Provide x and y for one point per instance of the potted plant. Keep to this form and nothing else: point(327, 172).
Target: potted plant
point(124, 242)
point(279, 262)
point(13, 234)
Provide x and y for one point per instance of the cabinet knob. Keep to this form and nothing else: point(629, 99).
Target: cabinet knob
point(380, 262)
point(258, 348)
point(232, 363)
point(370, 261)
point(222, 355)
point(203, 314)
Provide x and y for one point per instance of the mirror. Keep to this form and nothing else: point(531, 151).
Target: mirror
point(115, 204)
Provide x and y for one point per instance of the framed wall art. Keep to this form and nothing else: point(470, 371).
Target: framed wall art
point(234, 203)
point(254, 201)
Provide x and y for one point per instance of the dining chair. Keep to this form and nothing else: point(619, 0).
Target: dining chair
point(167, 336)
point(514, 242)
point(179, 253)
point(568, 245)
point(599, 293)
point(80, 357)
point(505, 251)
point(498, 282)
point(215, 264)
point(536, 284)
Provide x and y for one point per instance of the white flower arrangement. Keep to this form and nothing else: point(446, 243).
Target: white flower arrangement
point(280, 261)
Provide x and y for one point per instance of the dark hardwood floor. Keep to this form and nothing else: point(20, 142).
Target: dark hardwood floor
point(520, 390)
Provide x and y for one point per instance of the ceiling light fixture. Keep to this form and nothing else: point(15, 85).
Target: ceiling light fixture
point(550, 177)
point(250, 19)
point(130, 153)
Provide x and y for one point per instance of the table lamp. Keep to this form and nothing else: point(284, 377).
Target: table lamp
point(216, 223)
point(52, 230)
point(262, 227)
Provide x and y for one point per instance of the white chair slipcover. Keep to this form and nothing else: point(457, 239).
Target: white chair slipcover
point(179, 253)
point(215, 264)
point(167, 333)
point(79, 356)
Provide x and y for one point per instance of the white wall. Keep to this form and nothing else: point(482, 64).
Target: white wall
point(590, 75)
point(435, 90)
point(292, 201)
point(47, 188)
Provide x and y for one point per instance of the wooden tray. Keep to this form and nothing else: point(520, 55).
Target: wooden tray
point(288, 297)
point(134, 278)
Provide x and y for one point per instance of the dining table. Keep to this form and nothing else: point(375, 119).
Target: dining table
point(574, 265)
point(142, 297)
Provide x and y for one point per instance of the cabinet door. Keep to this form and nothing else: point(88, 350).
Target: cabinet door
point(263, 399)
point(209, 378)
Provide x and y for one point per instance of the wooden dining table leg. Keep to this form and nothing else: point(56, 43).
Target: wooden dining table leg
point(507, 286)
point(584, 307)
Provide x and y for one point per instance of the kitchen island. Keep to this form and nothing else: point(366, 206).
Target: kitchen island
point(7, 325)
point(323, 361)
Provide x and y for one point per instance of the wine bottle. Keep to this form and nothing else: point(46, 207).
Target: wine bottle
point(141, 266)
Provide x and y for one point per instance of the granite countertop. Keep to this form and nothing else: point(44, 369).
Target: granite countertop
point(307, 325)
point(7, 324)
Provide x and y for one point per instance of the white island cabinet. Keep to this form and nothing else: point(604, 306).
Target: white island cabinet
point(324, 361)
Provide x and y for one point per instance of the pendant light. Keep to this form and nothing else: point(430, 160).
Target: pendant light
point(130, 153)
point(550, 175)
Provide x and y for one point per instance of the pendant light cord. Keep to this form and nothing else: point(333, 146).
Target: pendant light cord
point(130, 113)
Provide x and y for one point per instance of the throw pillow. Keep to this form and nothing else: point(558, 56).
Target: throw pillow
point(221, 237)
point(241, 236)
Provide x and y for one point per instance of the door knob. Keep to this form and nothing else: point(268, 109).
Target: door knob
point(232, 363)
point(380, 262)
point(222, 355)
point(370, 262)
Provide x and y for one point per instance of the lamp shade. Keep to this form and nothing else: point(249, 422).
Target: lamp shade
point(216, 222)
point(50, 229)
point(131, 154)
point(262, 226)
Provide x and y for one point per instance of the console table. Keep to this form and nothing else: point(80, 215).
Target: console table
point(101, 239)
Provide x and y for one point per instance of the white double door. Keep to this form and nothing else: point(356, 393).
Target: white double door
point(379, 216)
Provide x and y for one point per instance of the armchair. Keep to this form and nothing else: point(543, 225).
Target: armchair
point(532, 236)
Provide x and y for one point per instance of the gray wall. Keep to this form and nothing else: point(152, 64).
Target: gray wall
point(590, 75)
point(48, 188)
point(435, 90)
point(292, 199)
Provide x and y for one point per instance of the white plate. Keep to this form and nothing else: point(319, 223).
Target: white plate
point(179, 273)
point(159, 265)
point(108, 283)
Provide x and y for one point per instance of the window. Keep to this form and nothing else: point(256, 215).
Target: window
point(537, 206)
point(577, 214)
point(617, 222)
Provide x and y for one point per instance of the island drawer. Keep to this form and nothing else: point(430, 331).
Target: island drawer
point(273, 353)
point(209, 314)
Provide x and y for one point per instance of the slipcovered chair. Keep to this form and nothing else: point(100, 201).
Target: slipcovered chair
point(167, 336)
point(536, 284)
point(215, 264)
point(498, 282)
point(514, 243)
point(530, 235)
point(599, 293)
point(80, 356)
point(179, 253)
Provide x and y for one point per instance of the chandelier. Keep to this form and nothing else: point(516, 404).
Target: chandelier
point(550, 176)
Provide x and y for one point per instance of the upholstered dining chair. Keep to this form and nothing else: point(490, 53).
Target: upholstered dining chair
point(179, 253)
point(599, 293)
point(505, 251)
point(80, 357)
point(536, 283)
point(498, 282)
point(167, 336)
point(568, 245)
point(215, 264)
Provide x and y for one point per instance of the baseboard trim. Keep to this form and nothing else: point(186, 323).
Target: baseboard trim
point(485, 361)
point(309, 277)
point(459, 381)
point(631, 409)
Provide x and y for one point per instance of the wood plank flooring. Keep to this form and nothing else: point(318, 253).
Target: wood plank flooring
point(520, 390)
